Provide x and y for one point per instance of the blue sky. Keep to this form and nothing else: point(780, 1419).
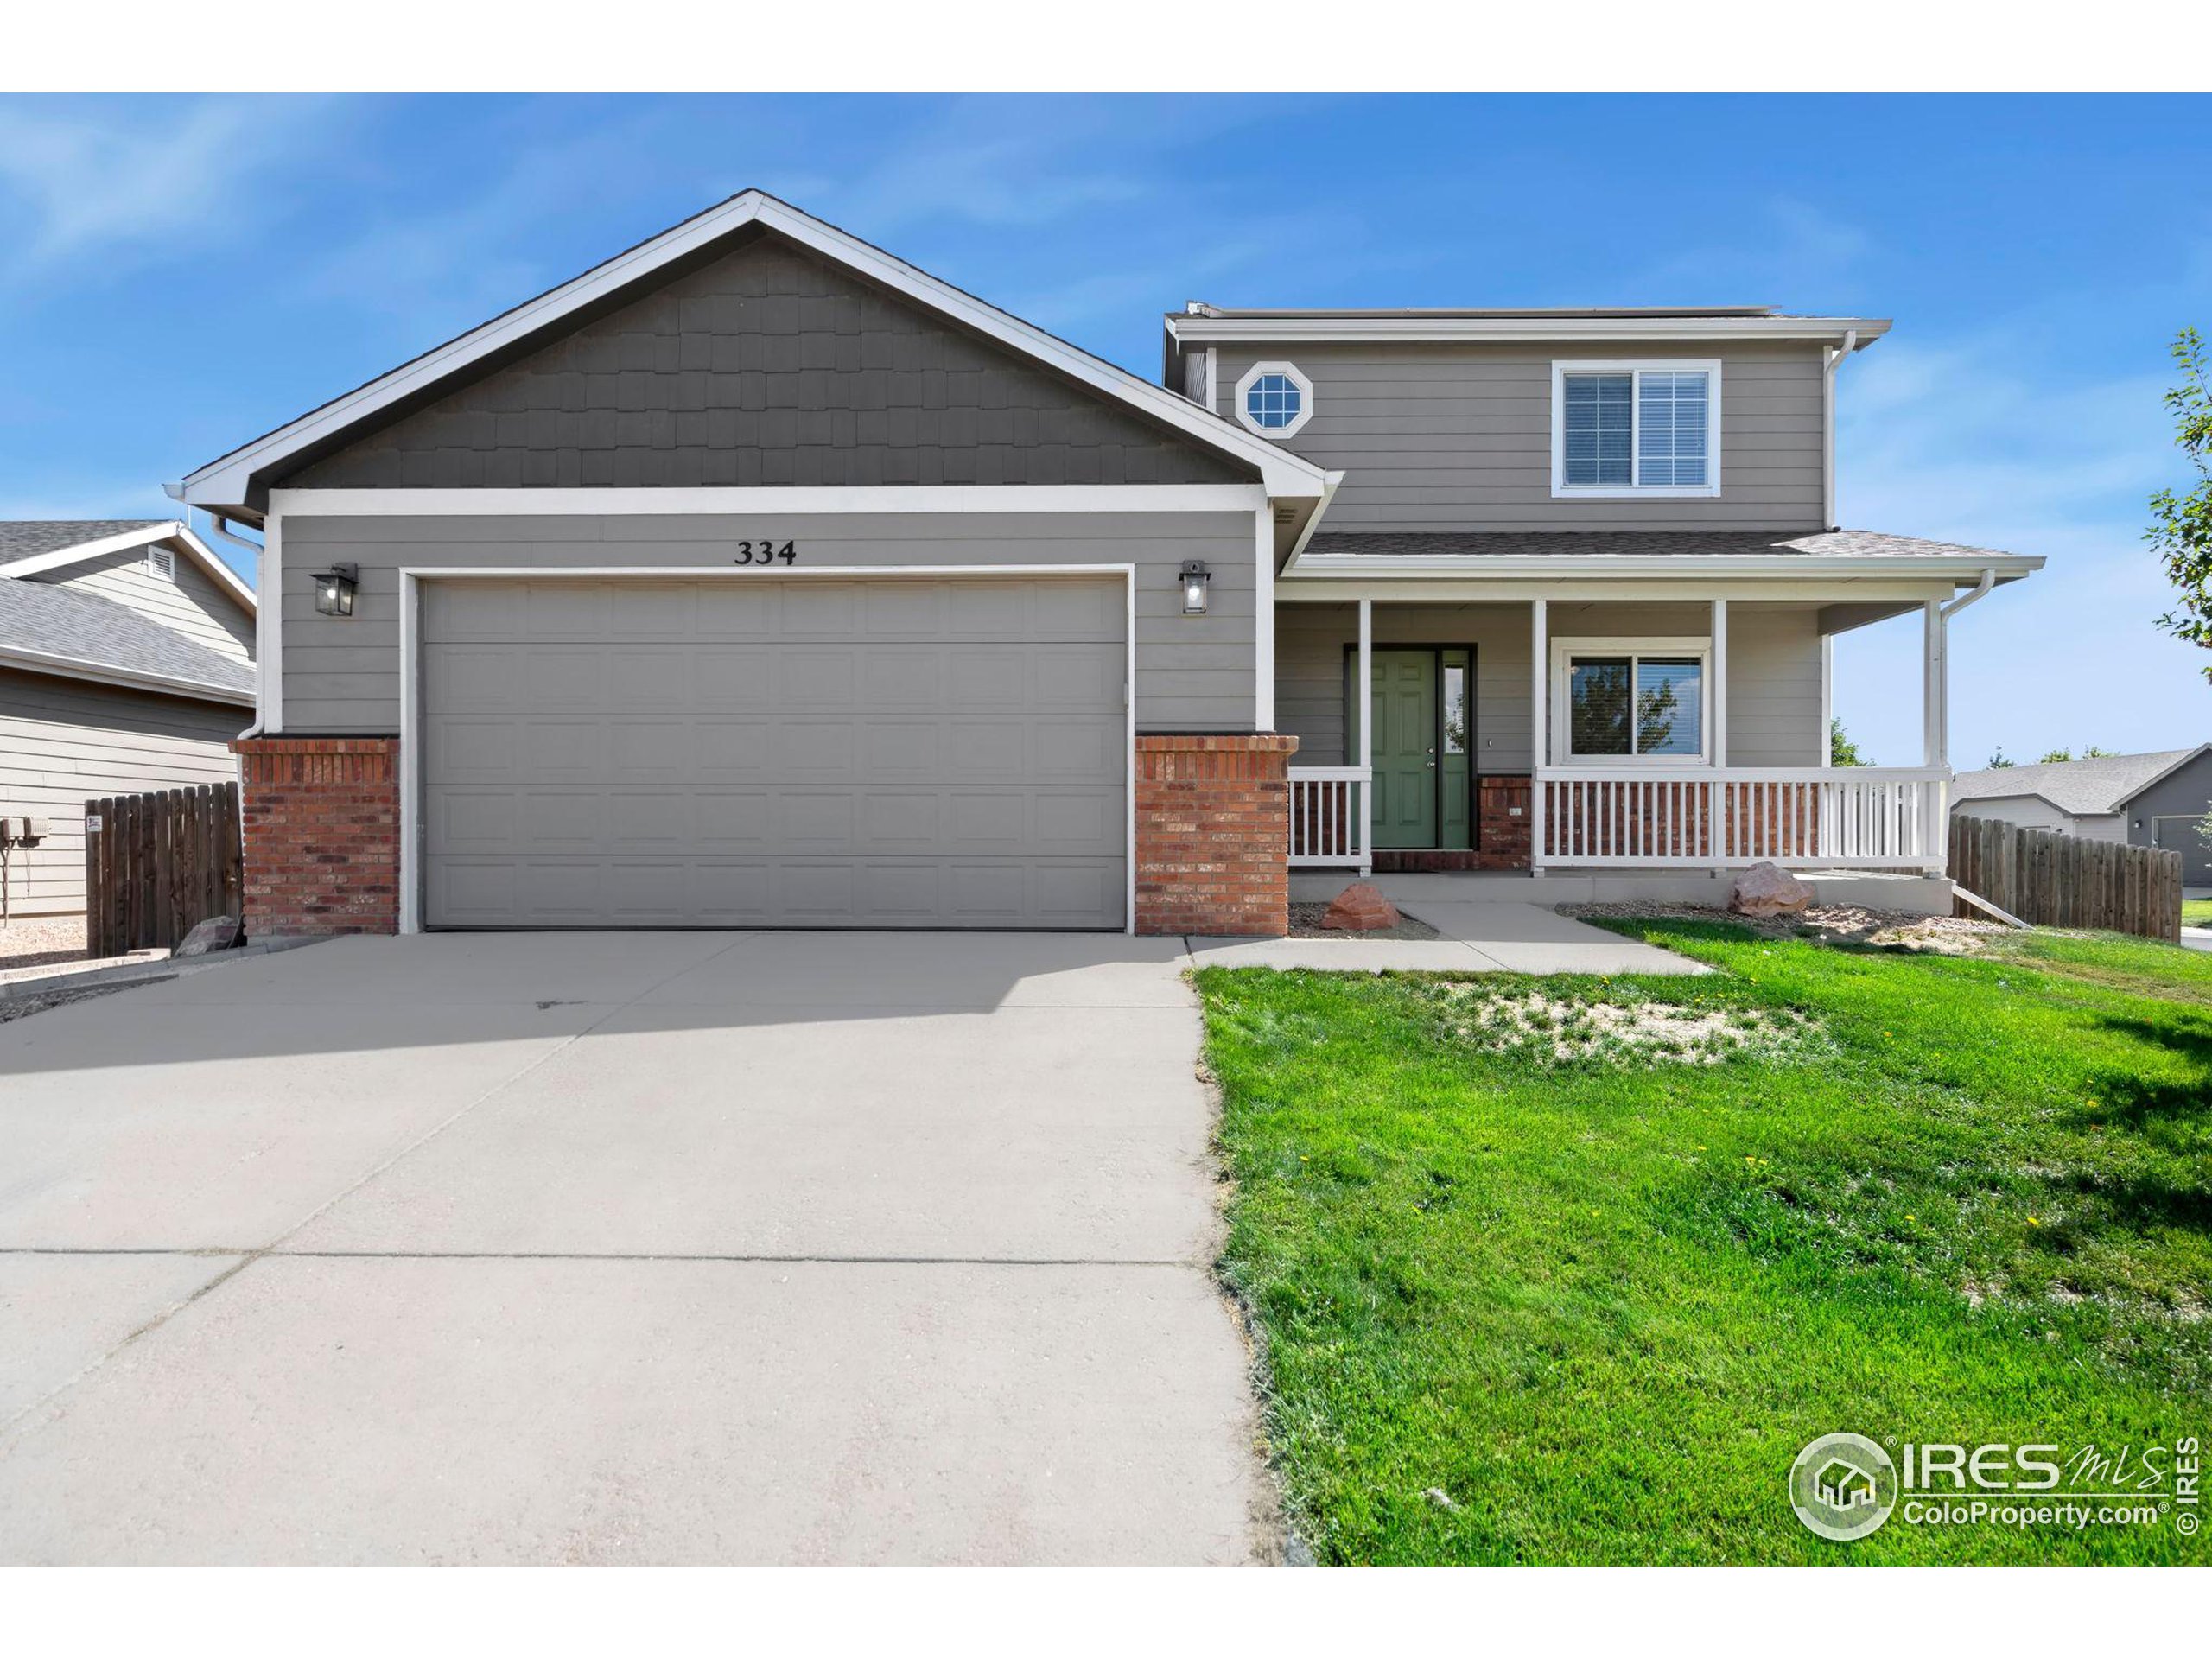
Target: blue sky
point(177, 275)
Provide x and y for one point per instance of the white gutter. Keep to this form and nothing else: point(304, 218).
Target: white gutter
point(1832, 329)
point(76, 668)
point(1385, 566)
point(1981, 591)
point(1833, 359)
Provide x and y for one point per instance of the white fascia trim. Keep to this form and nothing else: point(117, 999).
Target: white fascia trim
point(224, 481)
point(1709, 366)
point(1383, 566)
point(145, 536)
point(108, 674)
point(1289, 330)
point(945, 498)
point(412, 576)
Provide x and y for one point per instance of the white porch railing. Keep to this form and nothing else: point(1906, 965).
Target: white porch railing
point(1886, 817)
point(1329, 816)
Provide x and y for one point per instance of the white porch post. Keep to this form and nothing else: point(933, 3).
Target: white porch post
point(1827, 700)
point(1936, 738)
point(1538, 747)
point(1366, 824)
point(1717, 823)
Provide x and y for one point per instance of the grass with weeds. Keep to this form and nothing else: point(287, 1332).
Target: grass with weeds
point(1535, 1290)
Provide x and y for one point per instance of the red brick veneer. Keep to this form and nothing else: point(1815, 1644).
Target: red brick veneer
point(1504, 836)
point(321, 821)
point(1213, 834)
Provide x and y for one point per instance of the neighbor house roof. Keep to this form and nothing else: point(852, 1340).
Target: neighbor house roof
point(2081, 788)
point(1623, 552)
point(61, 631)
point(30, 547)
point(236, 483)
point(24, 539)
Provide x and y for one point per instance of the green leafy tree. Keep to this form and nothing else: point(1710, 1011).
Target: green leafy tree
point(2181, 524)
point(1842, 752)
point(2050, 755)
point(2093, 753)
point(1997, 760)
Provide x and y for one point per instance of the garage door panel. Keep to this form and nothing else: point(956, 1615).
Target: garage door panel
point(903, 753)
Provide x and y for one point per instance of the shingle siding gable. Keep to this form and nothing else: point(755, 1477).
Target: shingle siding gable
point(766, 367)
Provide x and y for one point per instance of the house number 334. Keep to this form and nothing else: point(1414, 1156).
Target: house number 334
point(767, 553)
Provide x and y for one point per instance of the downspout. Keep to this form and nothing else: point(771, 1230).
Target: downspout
point(1979, 590)
point(217, 526)
point(1835, 356)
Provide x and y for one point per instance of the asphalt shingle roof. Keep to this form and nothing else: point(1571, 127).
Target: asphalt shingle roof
point(1644, 544)
point(26, 538)
point(2080, 787)
point(56, 621)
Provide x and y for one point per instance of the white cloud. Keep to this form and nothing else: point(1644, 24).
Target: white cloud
point(87, 182)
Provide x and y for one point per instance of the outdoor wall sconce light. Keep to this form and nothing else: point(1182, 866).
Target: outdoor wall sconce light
point(1195, 578)
point(333, 589)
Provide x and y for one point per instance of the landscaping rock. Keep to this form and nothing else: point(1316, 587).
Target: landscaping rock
point(1769, 890)
point(216, 933)
point(1360, 909)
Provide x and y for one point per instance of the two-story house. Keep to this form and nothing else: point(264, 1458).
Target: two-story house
point(755, 577)
point(1570, 603)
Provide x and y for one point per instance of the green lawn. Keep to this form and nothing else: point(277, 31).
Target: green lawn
point(2197, 912)
point(1599, 1303)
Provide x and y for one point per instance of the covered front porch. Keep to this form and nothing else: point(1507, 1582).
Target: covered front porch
point(1585, 731)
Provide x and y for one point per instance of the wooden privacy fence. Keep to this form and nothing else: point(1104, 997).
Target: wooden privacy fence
point(157, 865)
point(2067, 881)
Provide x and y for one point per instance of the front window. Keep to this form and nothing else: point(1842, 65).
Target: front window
point(1621, 703)
point(1623, 429)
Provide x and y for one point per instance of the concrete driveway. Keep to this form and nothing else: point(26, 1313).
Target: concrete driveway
point(622, 1248)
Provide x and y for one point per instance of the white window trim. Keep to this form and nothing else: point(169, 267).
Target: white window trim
point(1561, 367)
point(1566, 648)
point(1289, 371)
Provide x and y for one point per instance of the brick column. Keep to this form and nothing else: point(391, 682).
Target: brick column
point(1213, 834)
point(322, 822)
point(1504, 833)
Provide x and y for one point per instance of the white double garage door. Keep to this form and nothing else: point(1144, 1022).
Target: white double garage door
point(774, 750)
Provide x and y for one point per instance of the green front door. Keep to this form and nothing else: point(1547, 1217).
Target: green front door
point(1405, 747)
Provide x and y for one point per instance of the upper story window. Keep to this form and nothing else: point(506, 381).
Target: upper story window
point(1635, 429)
point(1275, 399)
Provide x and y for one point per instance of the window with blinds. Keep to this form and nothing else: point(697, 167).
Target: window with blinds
point(1627, 428)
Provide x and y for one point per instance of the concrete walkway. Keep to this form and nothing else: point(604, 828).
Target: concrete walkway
point(1479, 937)
point(647, 1248)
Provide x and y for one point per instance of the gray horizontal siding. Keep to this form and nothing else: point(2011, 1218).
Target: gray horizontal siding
point(64, 742)
point(1453, 437)
point(1774, 671)
point(768, 367)
point(1194, 674)
point(192, 605)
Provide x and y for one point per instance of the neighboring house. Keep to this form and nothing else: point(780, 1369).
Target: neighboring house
point(755, 577)
point(126, 664)
point(2142, 800)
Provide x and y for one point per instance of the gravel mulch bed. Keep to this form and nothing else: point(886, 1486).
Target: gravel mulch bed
point(1305, 924)
point(1828, 924)
point(35, 941)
